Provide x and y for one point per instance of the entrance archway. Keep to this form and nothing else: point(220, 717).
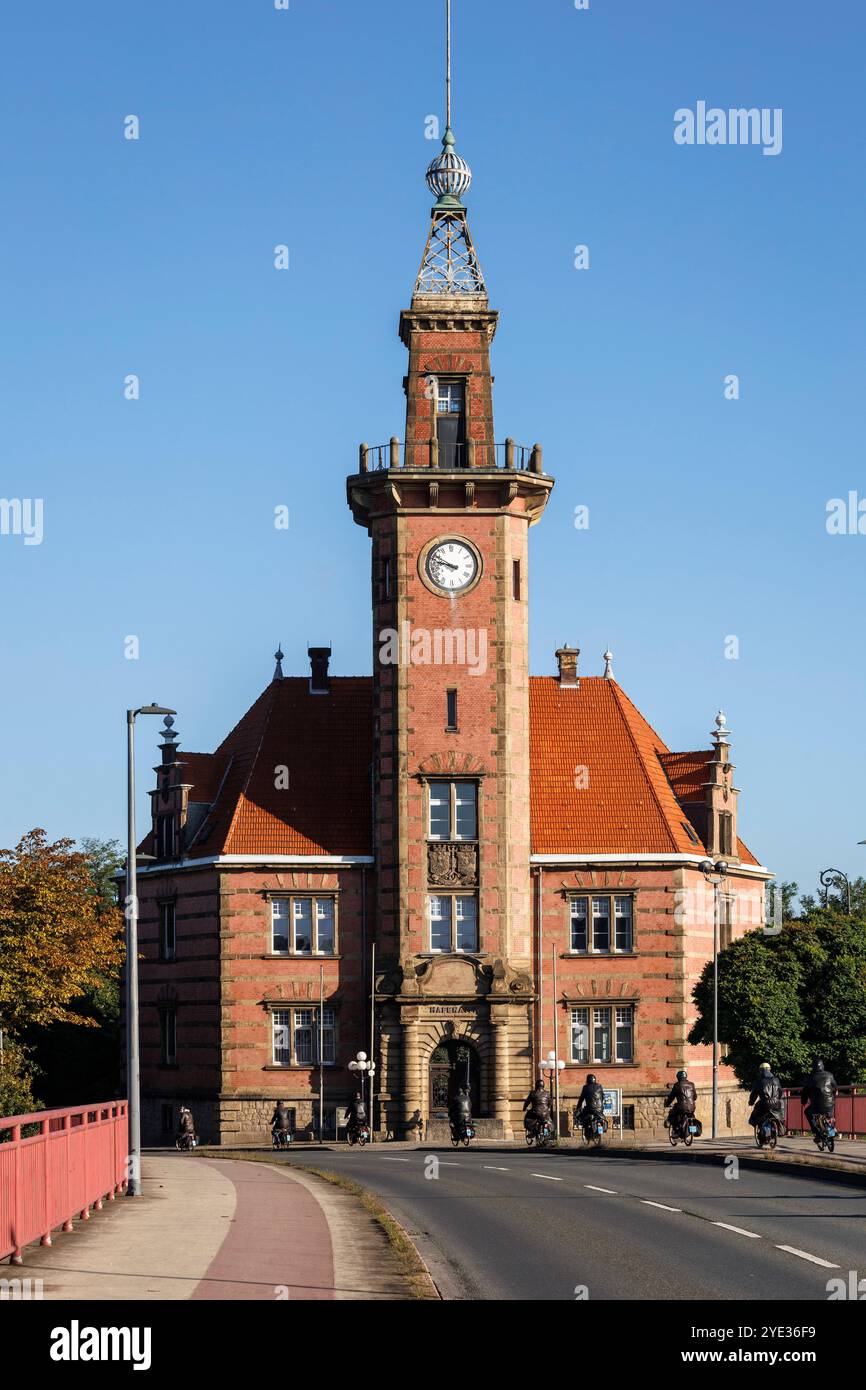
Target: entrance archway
point(453, 1063)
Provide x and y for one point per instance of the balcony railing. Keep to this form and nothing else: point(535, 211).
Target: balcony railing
point(435, 453)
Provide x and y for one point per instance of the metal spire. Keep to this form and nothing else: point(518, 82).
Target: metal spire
point(450, 265)
point(448, 63)
point(278, 657)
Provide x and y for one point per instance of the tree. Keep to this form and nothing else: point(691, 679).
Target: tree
point(59, 938)
point(16, 1080)
point(789, 998)
point(79, 1064)
point(836, 896)
point(788, 896)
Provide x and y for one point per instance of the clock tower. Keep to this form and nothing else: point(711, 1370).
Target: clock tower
point(448, 510)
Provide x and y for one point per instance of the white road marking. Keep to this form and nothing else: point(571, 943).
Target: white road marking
point(661, 1206)
point(593, 1188)
point(492, 1169)
point(804, 1255)
point(394, 1160)
point(738, 1230)
point(545, 1175)
point(448, 1163)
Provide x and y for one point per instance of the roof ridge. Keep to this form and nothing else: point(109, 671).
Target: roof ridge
point(629, 701)
point(617, 691)
point(242, 793)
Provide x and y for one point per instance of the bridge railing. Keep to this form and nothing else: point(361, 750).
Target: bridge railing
point(77, 1157)
point(850, 1111)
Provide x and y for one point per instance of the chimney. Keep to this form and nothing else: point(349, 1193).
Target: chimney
point(567, 659)
point(320, 683)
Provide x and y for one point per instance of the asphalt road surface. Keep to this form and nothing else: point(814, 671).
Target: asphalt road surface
point(518, 1224)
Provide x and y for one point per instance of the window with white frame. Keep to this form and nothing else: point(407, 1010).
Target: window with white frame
point(580, 1035)
point(303, 926)
point(453, 919)
point(602, 924)
point(624, 1033)
point(449, 397)
point(602, 1035)
point(296, 1036)
point(453, 810)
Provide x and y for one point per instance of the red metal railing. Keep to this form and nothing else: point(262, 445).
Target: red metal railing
point(77, 1158)
point(850, 1111)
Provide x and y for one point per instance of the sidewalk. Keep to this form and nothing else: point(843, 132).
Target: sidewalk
point(221, 1230)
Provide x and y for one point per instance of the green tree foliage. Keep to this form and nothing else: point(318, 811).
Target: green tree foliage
point(788, 998)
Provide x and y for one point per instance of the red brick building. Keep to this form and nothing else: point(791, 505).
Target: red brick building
point(449, 865)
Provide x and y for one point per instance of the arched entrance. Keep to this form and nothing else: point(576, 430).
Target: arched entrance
point(453, 1063)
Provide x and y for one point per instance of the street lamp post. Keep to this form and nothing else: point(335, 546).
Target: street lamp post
point(133, 1185)
point(831, 878)
point(554, 1065)
point(715, 874)
point(366, 1068)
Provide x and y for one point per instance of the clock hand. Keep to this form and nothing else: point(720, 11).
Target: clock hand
point(447, 564)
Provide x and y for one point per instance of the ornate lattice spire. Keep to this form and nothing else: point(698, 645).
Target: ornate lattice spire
point(449, 265)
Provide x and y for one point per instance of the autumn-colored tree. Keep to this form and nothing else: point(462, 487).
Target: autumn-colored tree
point(59, 939)
point(16, 1080)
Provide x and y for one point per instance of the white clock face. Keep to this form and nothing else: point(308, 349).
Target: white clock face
point(452, 565)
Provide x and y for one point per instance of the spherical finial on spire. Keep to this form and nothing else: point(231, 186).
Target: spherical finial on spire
point(608, 667)
point(721, 733)
point(448, 175)
point(167, 732)
point(278, 657)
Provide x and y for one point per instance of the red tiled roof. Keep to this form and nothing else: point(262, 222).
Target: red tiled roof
point(688, 773)
point(325, 743)
point(204, 771)
point(627, 805)
point(631, 803)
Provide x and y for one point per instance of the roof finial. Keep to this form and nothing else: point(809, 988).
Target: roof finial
point(608, 668)
point(167, 733)
point(721, 733)
point(448, 175)
point(278, 656)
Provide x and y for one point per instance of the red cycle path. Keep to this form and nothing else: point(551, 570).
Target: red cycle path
point(278, 1244)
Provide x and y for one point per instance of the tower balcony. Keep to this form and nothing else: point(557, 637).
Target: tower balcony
point(440, 475)
point(450, 457)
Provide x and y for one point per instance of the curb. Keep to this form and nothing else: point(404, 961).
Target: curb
point(791, 1163)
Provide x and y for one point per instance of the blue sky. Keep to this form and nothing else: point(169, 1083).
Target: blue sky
point(307, 127)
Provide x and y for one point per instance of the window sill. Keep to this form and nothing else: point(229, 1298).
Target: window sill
point(615, 1066)
point(301, 955)
point(296, 1066)
point(598, 955)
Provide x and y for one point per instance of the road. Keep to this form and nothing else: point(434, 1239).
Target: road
point(514, 1224)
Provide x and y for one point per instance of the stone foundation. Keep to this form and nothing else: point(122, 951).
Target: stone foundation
point(649, 1112)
